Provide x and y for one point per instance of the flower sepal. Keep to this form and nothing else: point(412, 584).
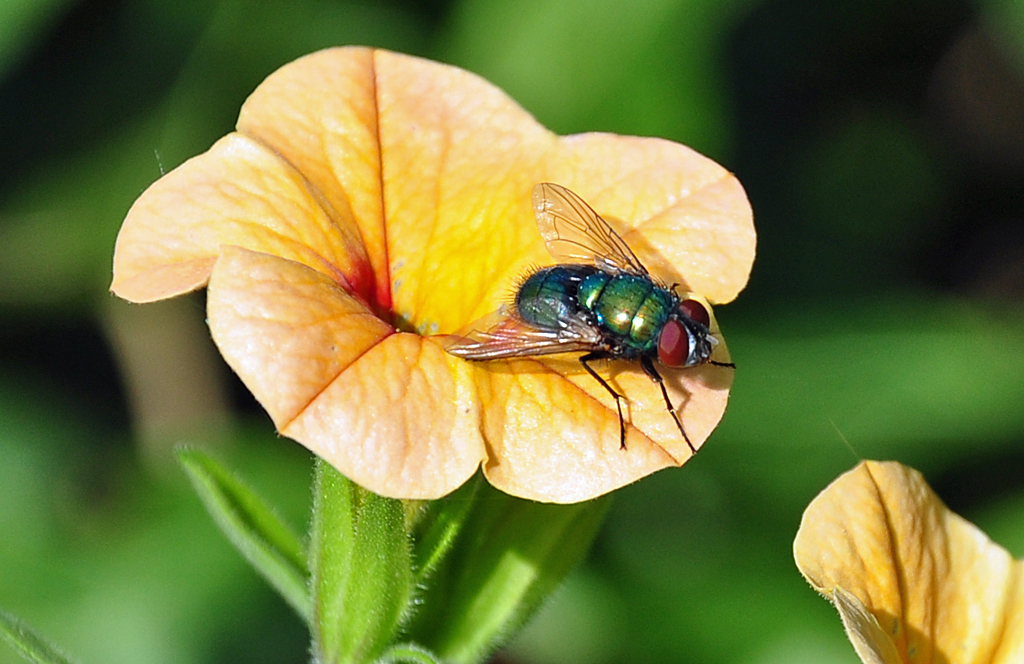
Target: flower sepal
point(510, 556)
point(360, 563)
point(448, 580)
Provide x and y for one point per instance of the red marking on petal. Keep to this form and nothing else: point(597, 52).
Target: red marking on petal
point(361, 282)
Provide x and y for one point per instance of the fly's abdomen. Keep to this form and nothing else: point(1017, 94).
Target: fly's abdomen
point(551, 294)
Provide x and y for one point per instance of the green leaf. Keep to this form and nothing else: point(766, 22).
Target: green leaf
point(361, 568)
point(511, 555)
point(262, 537)
point(27, 643)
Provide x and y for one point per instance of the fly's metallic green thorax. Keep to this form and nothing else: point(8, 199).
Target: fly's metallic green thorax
point(630, 310)
point(631, 307)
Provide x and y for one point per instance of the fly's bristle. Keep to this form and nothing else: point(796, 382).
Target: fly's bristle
point(517, 283)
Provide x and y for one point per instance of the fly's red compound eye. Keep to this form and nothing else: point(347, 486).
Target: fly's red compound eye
point(674, 344)
point(695, 311)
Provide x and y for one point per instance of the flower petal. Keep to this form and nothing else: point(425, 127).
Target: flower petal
point(936, 584)
point(238, 192)
point(459, 160)
point(402, 421)
point(691, 220)
point(554, 430)
point(551, 425)
point(552, 442)
point(320, 114)
point(393, 412)
point(286, 329)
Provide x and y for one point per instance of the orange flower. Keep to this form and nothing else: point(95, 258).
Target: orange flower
point(368, 199)
point(913, 582)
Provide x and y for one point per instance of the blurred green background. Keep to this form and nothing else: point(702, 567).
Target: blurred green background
point(882, 146)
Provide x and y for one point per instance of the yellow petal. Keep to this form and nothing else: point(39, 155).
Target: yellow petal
point(554, 431)
point(459, 161)
point(403, 421)
point(241, 193)
point(937, 585)
point(690, 219)
point(553, 442)
point(393, 412)
point(469, 169)
point(320, 114)
point(287, 330)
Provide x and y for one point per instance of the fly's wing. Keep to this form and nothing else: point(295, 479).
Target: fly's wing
point(503, 334)
point(574, 233)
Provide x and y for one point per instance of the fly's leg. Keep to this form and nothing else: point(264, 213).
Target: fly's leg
point(651, 371)
point(601, 355)
point(722, 364)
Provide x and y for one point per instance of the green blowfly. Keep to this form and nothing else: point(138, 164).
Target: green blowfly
point(599, 300)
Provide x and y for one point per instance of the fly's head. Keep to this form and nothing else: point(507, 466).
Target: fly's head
point(686, 340)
